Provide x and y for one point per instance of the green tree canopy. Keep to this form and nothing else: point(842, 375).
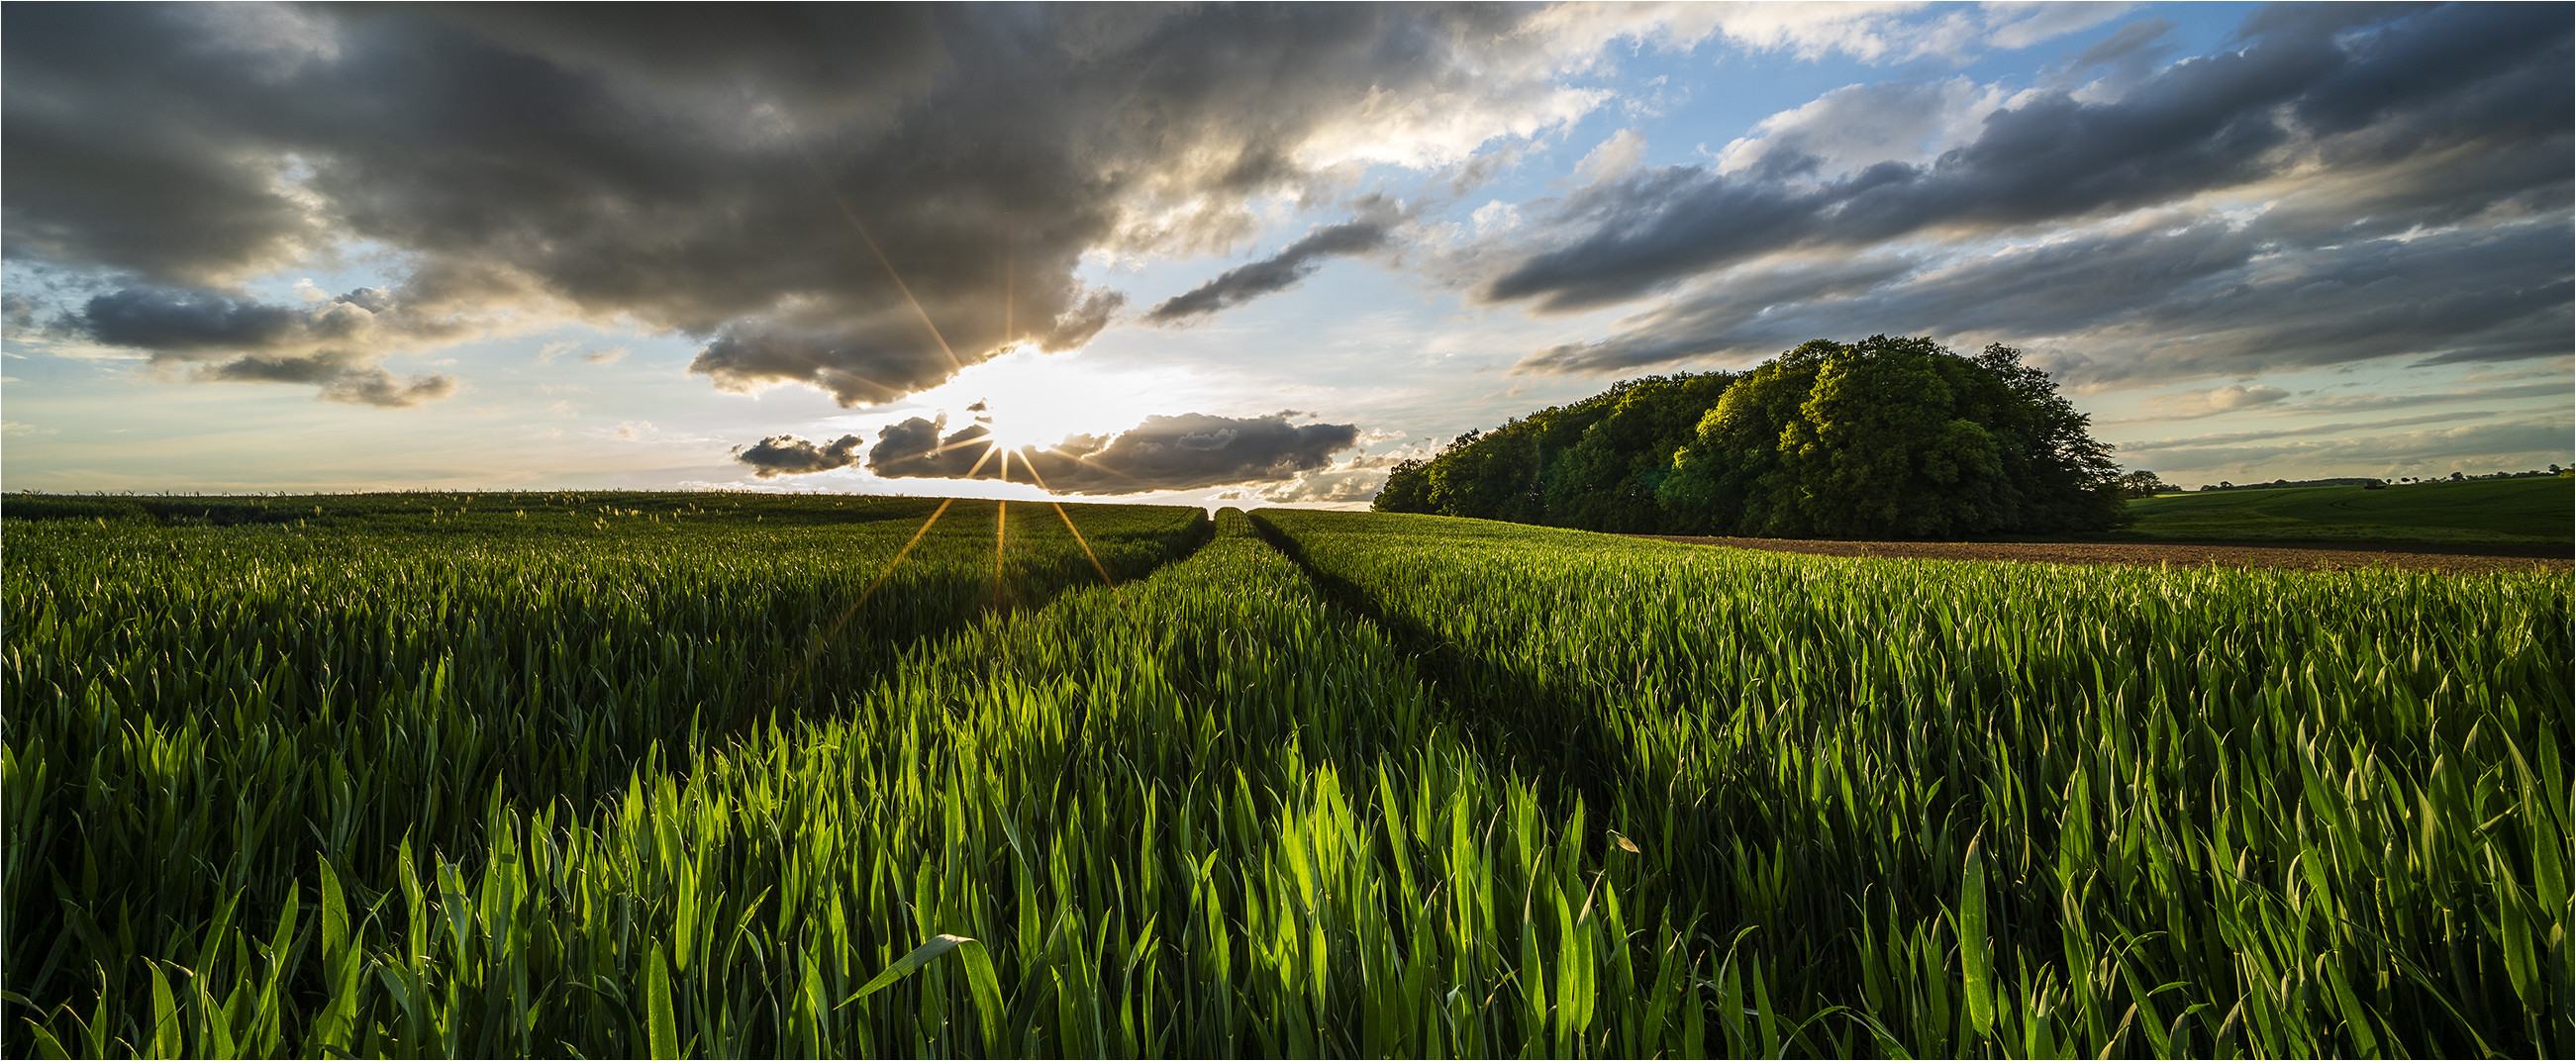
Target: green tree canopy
point(1888, 437)
point(1600, 463)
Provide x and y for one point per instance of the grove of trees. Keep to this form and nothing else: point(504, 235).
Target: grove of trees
point(1885, 438)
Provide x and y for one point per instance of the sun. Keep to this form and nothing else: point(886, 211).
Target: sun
point(1008, 433)
point(1030, 399)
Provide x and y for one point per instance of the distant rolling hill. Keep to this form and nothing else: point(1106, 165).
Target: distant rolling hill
point(2519, 512)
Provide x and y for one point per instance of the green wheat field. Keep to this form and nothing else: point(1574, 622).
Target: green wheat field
point(733, 775)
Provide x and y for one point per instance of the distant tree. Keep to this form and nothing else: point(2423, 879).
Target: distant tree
point(1732, 476)
point(1596, 463)
point(1895, 437)
point(1886, 437)
point(1611, 476)
point(2142, 483)
point(1887, 443)
point(1407, 489)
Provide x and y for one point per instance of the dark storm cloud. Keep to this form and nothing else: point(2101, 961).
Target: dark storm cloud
point(1193, 450)
point(18, 312)
point(1182, 452)
point(789, 455)
point(748, 353)
point(700, 170)
point(2460, 109)
point(152, 319)
point(1278, 272)
point(334, 343)
point(920, 449)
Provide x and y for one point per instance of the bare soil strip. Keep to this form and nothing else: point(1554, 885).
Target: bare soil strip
point(2421, 558)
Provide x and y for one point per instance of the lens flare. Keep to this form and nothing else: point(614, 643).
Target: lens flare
point(1078, 539)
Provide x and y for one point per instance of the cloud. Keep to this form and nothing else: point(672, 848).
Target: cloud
point(1184, 452)
point(1877, 33)
point(789, 455)
point(334, 343)
point(2144, 39)
point(2234, 397)
point(746, 355)
point(2134, 303)
point(384, 390)
point(756, 181)
point(2233, 438)
point(916, 449)
point(547, 354)
point(1614, 157)
point(2416, 120)
point(1853, 127)
point(1278, 272)
point(2352, 402)
point(2194, 404)
point(18, 312)
point(2522, 442)
point(1350, 483)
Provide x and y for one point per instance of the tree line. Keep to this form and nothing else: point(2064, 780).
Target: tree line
point(1889, 437)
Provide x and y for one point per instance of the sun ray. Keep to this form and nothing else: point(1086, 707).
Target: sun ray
point(899, 285)
point(1092, 461)
point(979, 461)
point(842, 373)
point(1082, 458)
point(898, 558)
point(1077, 531)
point(815, 651)
point(962, 444)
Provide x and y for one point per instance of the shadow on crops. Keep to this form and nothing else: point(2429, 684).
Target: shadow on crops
point(202, 753)
point(1546, 730)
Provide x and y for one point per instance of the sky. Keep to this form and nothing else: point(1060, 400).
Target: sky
point(1248, 254)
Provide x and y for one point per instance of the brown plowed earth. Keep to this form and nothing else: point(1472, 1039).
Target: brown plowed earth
point(2320, 558)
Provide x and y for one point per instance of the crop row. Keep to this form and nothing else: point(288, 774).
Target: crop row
point(1201, 813)
point(714, 775)
point(194, 712)
point(2039, 809)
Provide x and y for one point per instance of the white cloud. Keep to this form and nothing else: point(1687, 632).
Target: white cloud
point(1874, 32)
point(1496, 216)
point(1855, 126)
point(2194, 404)
point(1427, 130)
point(1614, 158)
